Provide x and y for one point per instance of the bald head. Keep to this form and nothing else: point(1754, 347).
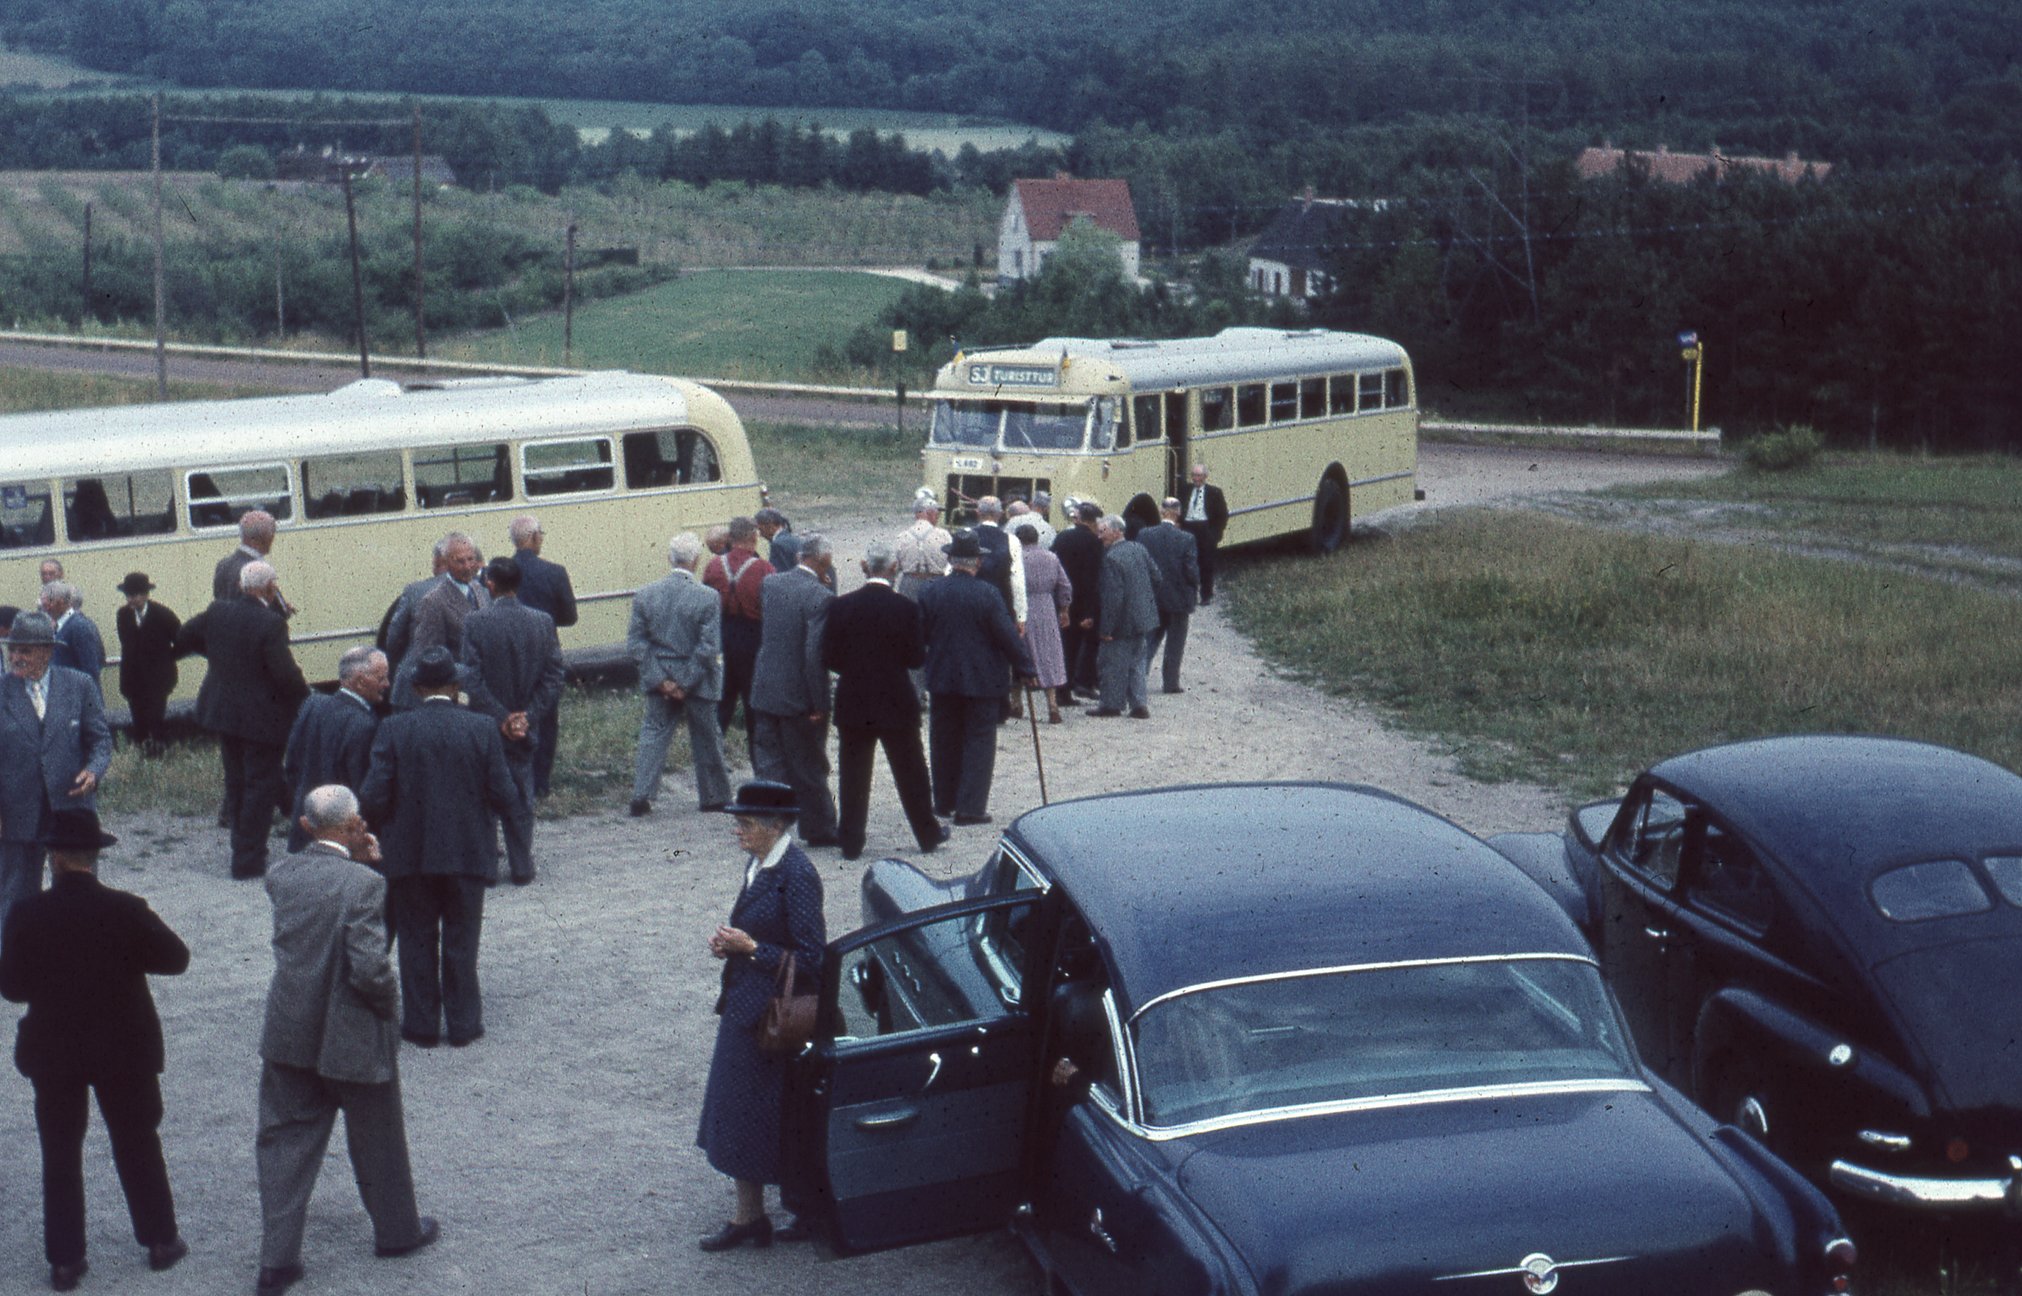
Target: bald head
point(256, 530)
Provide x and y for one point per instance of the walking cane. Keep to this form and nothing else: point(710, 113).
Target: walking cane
point(1038, 757)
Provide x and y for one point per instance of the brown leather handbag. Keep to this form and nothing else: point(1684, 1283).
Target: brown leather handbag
point(788, 1023)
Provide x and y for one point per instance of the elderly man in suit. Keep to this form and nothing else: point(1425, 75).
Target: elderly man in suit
point(79, 956)
point(440, 611)
point(544, 587)
point(147, 658)
point(675, 637)
point(511, 666)
point(789, 688)
point(437, 785)
point(256, 542)
point(873, 642)
point(249, 697)
point(396, 627)
point(1204, 513)
point(54, 749)
point(1130, 584)
point(331, 741)
point(1003, 562)
point(973, 650)
point(1179, 590)
point(79, 646)
point(1080, 553)
point(329, 1042)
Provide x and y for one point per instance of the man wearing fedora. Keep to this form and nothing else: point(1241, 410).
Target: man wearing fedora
point(79, 955)
point(973, 650)
point(54, 748)
point(147, 659)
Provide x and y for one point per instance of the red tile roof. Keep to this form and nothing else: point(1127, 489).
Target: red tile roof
point(1682, 168)
point(1050, 204)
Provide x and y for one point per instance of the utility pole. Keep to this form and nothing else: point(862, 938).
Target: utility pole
point(160, 293)
point(357, 276)
point(84, 287)
point(420, 337)
point(569, 297)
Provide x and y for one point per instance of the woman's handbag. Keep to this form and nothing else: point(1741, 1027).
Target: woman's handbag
point(788, 1023)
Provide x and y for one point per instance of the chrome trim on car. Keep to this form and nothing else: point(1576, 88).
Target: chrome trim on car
point(1924, 1191)
point(1261, 977)
point(1538, 1266)
point(1040, 882)
point(1386, 1102)
point(1885, 1141)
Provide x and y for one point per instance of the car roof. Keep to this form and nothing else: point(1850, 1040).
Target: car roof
point(1835, 810)
point(1187, 885)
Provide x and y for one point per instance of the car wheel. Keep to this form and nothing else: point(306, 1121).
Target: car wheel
point(1330, 517)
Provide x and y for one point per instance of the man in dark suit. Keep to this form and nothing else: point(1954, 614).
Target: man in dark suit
point(1003, 566)
point(329, 1042)
point(973, 650)
point(438, 783)
point(1080, 553)
point(1205, 515)
point(439, 613)
point(79, 646)
point(249, 697)
point(54, 749)
point(1130, 583)
point(256, 541)
point(511, 666)
point(544, 587)
point(1179, 585)
point(147, 659)
point(789, 688)
point(331, 741)
point(79, 956)
point(873, 642)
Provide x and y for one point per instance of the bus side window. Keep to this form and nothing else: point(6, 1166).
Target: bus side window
point(25, 517)
point(1110, 425)
point(1218, 409)
point(1312, 398)
point(1396, 393)
point(1284, 402)
point(109, 506)
point(1372, 391)
point(450, 476)
point(1144, 418)
point(219, 497)
point(1341, 394)
point(566, 467)
point(1176, 416)
point(1251, 409)
point(669, 457)
point(355, 485)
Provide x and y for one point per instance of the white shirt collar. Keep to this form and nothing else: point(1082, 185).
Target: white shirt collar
point(334, 848)
point(355, 698)
point(64, 620)
point(755, 865)
point(877, 580)
point(249, 551)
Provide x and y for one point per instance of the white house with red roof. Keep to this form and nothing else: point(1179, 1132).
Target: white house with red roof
point(1040, 210)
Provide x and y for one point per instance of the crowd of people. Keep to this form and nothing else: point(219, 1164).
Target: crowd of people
point(397, 785)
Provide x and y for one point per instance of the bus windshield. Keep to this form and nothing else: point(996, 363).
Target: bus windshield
point(1022, 425)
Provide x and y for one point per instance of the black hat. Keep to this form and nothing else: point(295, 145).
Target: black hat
point(75, 830)
point(964, 545)
point(434, 668)
point(31, 630)
point(135, 583)
point(760, 797)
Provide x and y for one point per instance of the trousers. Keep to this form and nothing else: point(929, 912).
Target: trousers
point(253, 791)
point(131, 1106)
point(740, 655)
point(518, 825)
point(855, 750)
point(297, 1110)
point(20, 875)
point(437, 920)
point(1121, 663)
point(705, 747)
point(1172, 633)
point(962, 741)
point(794, 750)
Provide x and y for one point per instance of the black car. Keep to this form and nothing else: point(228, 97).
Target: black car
point(1283, 1038)
point(1822, 938)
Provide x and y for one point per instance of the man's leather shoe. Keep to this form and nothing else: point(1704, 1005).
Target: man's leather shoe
point(419, 1040)
point(1105, 713)
point(526, 880)
point(431, 1229)
point(758, 1232)
point(163, 1255)
point(278, 1279)
point(641, 807)
point(970, 821)
point(798, 1231)
point(1140, 713)
point(1175, 689)
point(713, 807)
point(853, 855)
point(465, 1041)
point(65, 1277)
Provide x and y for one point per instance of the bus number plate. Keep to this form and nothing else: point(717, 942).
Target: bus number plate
point(967, 465)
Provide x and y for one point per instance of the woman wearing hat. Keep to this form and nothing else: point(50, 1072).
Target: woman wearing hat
point(147, 659)
point(778, 915)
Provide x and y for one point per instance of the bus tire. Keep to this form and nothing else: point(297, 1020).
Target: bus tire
point(1330, 517)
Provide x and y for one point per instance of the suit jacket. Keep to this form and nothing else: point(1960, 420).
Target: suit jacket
point(333, 1004)
point(781, 910)
point(676, 633)
point(253, 686)
point(512, 661)
point(79, 955)
point(438, 782)
point(1216, 505)
point(331, 742)
point(397, 626)
point(872, 641)
point(437, 622)
point(1130, 583)
point(40, 759)
point(225, 579)
point(1080, 552)
point(545, 587)
point(1003, 566)
point(1177, 556)
point(80, 647)
point(147, 652)
point(788, 677)
point(973, 645)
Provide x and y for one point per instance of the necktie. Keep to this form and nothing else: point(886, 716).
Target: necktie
point(470, 593)
point(38, 698)
point(1200, 503)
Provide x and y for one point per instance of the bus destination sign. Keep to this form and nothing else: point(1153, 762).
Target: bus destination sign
point(997, 375)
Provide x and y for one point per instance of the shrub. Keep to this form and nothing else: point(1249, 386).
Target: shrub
point(246, 162)
point(1790, 447)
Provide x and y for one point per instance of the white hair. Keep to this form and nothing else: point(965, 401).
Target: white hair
point(880, 558)
point(356, 661)
point(813, 544)
point(522, 529)
point(683, 550)
point(329, 806)
point(60, 590)
point(255, 576)
point(1111, 522)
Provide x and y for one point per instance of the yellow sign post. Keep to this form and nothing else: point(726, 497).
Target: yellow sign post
point(1693, 352)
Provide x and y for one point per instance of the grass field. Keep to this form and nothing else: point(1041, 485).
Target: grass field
point(23, 390)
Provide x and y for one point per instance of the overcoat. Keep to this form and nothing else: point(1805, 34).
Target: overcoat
point(972, 643)
point(147, 652)
point(788, 679)
point(438, 780)
point(512, 661)
point(331, 742)
point(1130, 582)
point(676, 633)
point(334, 1002)
point(872, 642)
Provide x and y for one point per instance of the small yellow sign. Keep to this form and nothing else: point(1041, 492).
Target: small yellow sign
point(898, 339)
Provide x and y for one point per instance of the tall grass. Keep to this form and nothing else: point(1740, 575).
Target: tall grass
point(1547, 651)
point(804, 464)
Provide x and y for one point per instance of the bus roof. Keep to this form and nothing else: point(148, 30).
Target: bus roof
point(370, 414)
point(1232, 355)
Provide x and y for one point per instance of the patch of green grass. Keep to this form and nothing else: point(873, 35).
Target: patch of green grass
point(809, 465)
point(1547, 651)
point(593, 758)
point(37, 389)
point(184, 780)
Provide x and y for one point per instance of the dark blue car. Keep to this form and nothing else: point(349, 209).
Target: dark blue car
point(1273, 1038)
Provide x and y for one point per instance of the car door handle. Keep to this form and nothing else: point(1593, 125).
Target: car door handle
point(1658, 933)
point(889, 1120)
point(1099, 1233)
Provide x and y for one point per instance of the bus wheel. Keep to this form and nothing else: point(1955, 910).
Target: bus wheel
point(1330, 517)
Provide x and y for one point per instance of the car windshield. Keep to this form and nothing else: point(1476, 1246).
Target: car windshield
point(1376, 1033)
point(1024, 425)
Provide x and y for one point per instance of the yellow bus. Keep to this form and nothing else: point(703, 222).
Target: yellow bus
point(362, 482)
point(1303, 430)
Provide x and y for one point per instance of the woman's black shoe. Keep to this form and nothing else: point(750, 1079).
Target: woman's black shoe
point(758, 1233)
point(798, 1231)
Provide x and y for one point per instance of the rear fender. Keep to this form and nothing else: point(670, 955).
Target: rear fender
point(1738, 1022)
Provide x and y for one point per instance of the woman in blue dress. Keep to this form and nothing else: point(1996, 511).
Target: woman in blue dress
point(778, 912)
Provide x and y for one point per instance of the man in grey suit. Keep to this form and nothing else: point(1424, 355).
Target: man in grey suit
point(675, 637)
point(1129, 612)
point(329, 1044)
point(438, 780)
point(1179, 590)
point(511, 665)
point(54, 748)
point(789, 688)
point(331, 741)
point(440, 611)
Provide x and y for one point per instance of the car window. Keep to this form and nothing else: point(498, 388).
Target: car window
point(2006, 871)
point(1943, 888)
point(1080, 1029)
point(1730, 881)
point(947, 972)
point(1655, 840)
